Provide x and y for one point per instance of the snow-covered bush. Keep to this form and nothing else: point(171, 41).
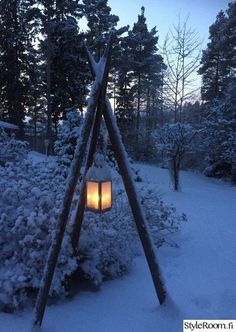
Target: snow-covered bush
point(11, 149)
point(30, 200)
point(110, 241)
point(31, 197)
point(163, 220)
point(175, 142)
point(68, 133)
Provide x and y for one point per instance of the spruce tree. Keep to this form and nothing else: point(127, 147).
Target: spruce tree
point(140, 78)
point(15, 47)
point(63, 68)
point(213, 68)
point(218, 92)
point(218, 61)
point(100, 22)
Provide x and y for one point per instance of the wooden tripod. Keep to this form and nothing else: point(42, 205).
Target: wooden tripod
point(98, 106)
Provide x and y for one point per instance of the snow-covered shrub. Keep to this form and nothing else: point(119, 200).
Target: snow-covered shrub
point(175, 142)
point(163, 220)
point(30, 200)
point(31, 197)
point(11, 149)
point(110, 241)
point(68, 133)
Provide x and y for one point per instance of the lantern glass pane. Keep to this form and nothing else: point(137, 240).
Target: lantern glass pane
point(92, 195)
point(106, 195)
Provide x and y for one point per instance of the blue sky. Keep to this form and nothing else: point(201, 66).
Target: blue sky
point(163, 13)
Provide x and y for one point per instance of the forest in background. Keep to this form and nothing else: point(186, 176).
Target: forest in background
point(44, 76)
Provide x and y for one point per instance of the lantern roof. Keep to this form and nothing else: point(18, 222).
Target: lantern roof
point(99, 171)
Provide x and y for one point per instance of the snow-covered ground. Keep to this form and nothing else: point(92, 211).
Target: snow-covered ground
point(37, 157)
point(200, 275)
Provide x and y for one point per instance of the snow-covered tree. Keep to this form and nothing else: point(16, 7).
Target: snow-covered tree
point(175, 142)
point(220, 135)
point(140, 81)
point(218, 68)
point(68, 133)
point(218, 61)
point(100, 23)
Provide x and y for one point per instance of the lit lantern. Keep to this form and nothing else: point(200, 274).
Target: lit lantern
point(98, 186)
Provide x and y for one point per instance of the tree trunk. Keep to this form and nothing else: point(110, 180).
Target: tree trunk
point(148, 124)
point(49, 46)
point(138, 117)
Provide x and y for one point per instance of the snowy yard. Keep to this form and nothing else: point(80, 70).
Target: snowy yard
point(200, 275)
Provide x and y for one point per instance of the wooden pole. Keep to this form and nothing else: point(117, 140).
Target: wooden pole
point(123, 163)
point(139, 218)
point(69, 191)
point(77, 223)
point(49, 59)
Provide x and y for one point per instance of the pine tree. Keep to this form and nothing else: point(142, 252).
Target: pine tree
point(220, 134)
point(218, 61)
point(218, 92)
point(213, 68)
point(15, 47)
point(140, 78)
point(64, 72)
point(69, 70)
point(100, 22)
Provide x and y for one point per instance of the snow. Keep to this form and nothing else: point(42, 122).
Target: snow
point(8, 125)
point(36, 157)
point(99, 171)
point(203, 285)
point(200, 275)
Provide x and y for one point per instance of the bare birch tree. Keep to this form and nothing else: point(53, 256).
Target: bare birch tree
point(182, 53)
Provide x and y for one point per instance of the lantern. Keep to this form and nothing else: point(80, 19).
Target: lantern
point(98, 186)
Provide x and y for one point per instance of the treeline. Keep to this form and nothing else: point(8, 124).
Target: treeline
point(44, 74)
point(43, 66)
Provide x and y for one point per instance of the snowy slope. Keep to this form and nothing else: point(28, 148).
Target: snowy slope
point(38, 157)
point(200, 275)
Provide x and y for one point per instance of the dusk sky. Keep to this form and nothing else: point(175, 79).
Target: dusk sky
point(163, 14)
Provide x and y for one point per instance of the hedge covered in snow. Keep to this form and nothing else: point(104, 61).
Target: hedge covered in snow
point(31, 195)
point(11, 149)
